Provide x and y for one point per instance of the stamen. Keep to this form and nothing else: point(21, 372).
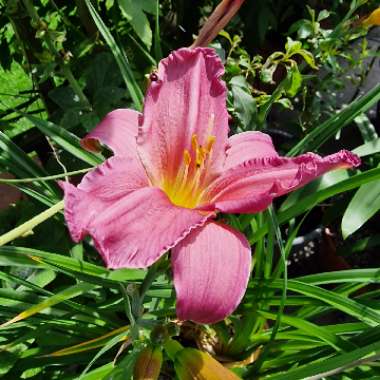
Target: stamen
point(194, 142)
point(186, 157)
point(188, 187)
point(210, 143)
point(200, 156)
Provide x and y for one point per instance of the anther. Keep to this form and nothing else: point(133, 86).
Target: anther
point(199, 156)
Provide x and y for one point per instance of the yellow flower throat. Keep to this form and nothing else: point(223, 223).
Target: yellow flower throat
point(187, 188)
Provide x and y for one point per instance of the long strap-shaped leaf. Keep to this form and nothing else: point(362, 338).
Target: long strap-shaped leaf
point(361, 312)
point(313, 199)
point(336, 364)
point(312, 329)
point(11, 255)
point(330, 127)
point(65, 139)
point(120, 58)
point(90, 344)
point(20, 164)
point(71, 292)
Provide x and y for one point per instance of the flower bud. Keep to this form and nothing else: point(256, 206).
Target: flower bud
point(148, 364)
point(219, 18)
point(193, 364)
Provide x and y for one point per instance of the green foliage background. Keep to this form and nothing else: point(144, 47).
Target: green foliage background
point(64, 65)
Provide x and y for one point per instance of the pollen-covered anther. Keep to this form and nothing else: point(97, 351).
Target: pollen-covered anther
point(201, 152)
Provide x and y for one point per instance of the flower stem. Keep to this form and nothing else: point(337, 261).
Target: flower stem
point(30, 224)
point(48, 178)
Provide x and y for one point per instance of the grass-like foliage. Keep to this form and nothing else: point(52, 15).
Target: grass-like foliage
point(300, 72)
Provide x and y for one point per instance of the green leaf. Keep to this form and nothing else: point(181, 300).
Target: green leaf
point(99, 373)
point(10, 255)
point(71, 292)
point(358, 310)
point(323, 14)
point(244, 103)
point(308, 202)
point(19, 163)
point(308, 57)
point(133, 12)
point(286, 103)
point(111, 343)
point(149, 6)
point(312, 329)
point(66, 140)
point(327, 180)
point(368, 148)
point(364, 204)
point(120, 57)
point(292, 47)
point(335, 364)
point(157, 37)
point(295, 81)
point(366, 128)
point(349, 276)
point(124, 369)
point(330, 127)
point(266, 74)
point(304, 28)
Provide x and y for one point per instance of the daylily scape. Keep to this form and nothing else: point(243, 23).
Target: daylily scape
point(174, 169)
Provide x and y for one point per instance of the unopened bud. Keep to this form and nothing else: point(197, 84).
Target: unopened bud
point(194, 364)
point(148, 364)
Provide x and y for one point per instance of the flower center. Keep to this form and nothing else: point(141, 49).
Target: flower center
point(187, 188)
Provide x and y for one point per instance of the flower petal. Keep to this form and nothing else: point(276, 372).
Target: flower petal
point(251, 186)
point(110, 181)
point(246, 146)
point(115, 178)
point(118, 130)
point(138, 229)
point(211, 270)
point(80, 210)
point(186, 97)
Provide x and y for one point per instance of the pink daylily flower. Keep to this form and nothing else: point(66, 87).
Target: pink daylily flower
point(174, 168)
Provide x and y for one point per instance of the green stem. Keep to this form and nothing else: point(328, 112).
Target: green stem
point(47, 178)
point(250, 324)
point(148, 280)
point(30, 224)
point(129, 313)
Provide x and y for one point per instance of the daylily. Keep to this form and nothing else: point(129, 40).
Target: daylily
point(174, 168)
